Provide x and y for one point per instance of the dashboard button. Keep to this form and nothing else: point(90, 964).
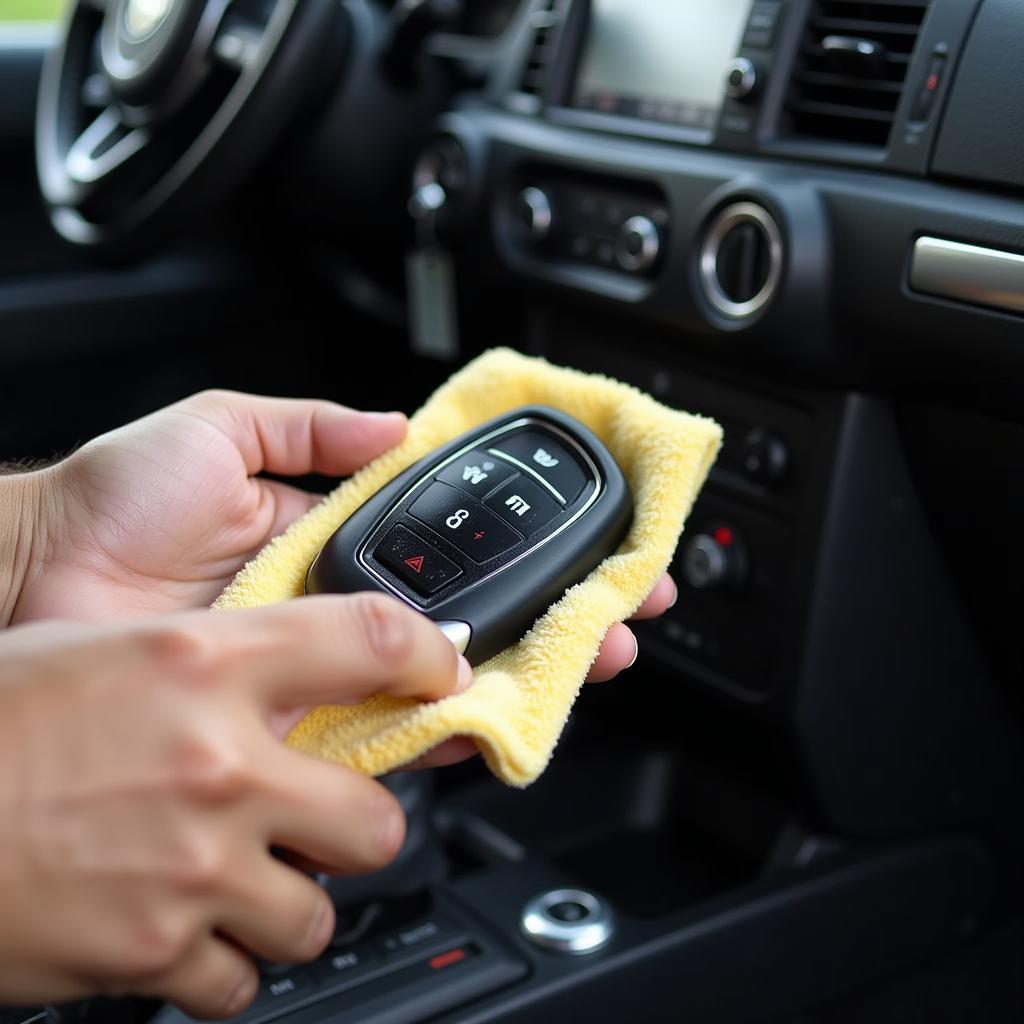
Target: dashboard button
point(716, 560)
point(763, 23)
point(765, 456)
point(534, 210)
point(638, 245)
point(740, 78)
point(476, 472)
point(341, 965)
point(525, 504)
point(416, 562)
point(547, 457)
point(420, 934)
point(464, 522)
point(282, 988)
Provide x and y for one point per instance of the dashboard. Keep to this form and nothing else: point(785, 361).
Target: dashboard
point(745, 148)
point(768, 211)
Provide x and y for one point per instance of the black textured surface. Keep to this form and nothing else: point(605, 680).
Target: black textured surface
point(982, 136)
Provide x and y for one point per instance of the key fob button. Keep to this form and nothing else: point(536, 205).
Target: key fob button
point(476, 472)
point(525, 504)
point(546, 456)
point(464, 522)
point(416, 562)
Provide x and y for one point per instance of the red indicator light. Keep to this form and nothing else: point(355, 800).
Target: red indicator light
point(453, 956)
point(933, 83)
point(724, 536)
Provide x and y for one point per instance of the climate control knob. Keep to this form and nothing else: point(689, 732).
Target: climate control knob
point(715, 560)
point(534, 210)
point(741, 79)
point(765, 456)
point(639, 244)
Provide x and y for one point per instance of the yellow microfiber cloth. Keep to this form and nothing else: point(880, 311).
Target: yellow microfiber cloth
point(520, 699)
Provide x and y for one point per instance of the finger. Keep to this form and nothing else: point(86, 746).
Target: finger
point(283, 720)
point(618, 651)
point(458, 748)
point(659, 600)
point(279, 914)
point(214, 980)
point(288, 504)
point(329, 814)
point(293, 436)
point(337, 649)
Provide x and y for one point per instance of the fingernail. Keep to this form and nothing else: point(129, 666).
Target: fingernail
point(636, 652)
point(391, 831)
point(386, 416)
point(241, 996)
point(675, 594)
point(465, 676)
point(322, 929)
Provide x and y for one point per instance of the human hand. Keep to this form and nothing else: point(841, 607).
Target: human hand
point(159, 515)
point(142, 786)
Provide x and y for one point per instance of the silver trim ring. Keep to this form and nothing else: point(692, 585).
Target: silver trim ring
point(534, 200)
point(650, 244)
point(731, 217)
point(748, 78)
point(592, 931)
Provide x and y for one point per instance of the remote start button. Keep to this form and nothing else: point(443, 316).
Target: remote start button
point(547, 457)
point(524, 504)
point(476, 472)
point(464, 522)
point(416, 562)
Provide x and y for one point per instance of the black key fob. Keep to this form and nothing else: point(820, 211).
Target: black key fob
point(483, 535)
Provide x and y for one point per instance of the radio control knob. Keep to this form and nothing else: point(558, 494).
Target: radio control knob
point(741, 78)
point(534, 210)
point(639, 244)
point(765, 456)
point(715, 560)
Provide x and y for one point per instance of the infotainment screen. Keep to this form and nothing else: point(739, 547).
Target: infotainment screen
point(660, 60)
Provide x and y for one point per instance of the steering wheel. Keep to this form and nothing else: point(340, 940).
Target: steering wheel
point(151, 109)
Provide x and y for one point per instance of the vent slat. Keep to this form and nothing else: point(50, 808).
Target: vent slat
point(838, 99)
point(854, 26)
point(843, 110)
point(534, 76)
point(828, 78)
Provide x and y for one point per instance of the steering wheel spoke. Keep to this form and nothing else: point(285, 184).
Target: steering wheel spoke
point(237, 42)
point(179, 99)
point(103, 149)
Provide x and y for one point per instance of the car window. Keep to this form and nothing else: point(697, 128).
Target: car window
point(30, 10)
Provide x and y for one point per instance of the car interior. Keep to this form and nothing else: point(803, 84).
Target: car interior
point(803, 218)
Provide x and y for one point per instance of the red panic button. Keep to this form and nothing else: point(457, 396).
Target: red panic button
point(724, 536)
point(453, 956)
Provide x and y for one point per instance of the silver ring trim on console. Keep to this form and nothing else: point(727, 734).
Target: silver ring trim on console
point(729, 218)
point(650, 244)
point(573, 937)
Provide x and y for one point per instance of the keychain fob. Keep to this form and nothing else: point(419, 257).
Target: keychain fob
point(484, 534)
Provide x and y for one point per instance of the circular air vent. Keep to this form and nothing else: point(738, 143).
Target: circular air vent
point(741, 260)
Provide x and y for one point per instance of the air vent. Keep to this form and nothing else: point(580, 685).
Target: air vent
point(542, 49)
point(851, 68)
